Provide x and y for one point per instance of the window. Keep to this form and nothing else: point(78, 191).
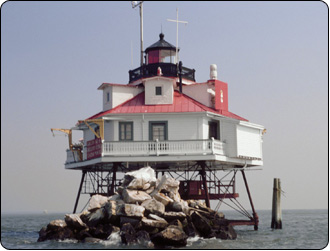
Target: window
point(158, 130)
point(125, 131)
point(166, 56)
point(161, 56)
point(108, 96)
point(158, 90)
point(153, 57)
point(214, 130)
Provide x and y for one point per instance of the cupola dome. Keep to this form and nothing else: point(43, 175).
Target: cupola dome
point(161, 52)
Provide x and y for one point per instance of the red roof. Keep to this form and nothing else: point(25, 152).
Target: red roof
point(181, 103)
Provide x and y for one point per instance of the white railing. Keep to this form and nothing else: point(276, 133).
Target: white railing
point(218, 147)
point(173, 147)
point(154, 148)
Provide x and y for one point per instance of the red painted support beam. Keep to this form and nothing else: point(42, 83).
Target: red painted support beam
point(203, 174)
point(254, 214)
point(78, 195)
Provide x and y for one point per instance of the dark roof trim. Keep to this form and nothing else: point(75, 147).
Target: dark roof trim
point(161, 44)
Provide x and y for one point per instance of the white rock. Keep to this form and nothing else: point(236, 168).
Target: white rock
point(133, 196)
point(171, 182)
point(174, 194)
point(146, 186)
point(185, 207)
point(192, 203)
point(201, 203)
point(150, 189)
point(136, 184)
point(153, 206)
point(163, 199)
point(54, 224)
point(160, 185)
point(134, 210)
point(147, 174)
point(154, 223)
point(97, 201)
point(140, 179)
point(171, 186)
point(185, 203)
point(111, 208)
point(169, 216)
point(95, 217)
point(156, 217)
point(73, 220)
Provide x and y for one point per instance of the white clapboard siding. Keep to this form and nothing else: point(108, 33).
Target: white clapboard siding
point(108, 131)
point(228, 135)
point(248, 142)
point(183, 128)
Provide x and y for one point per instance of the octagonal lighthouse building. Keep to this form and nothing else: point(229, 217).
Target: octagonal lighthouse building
point(162, 118)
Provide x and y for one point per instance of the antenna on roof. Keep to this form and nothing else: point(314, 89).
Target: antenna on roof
point(132, 54)
point(134, 5)
point(177, 31)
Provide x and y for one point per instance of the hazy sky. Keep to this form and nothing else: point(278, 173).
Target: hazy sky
point(54, 55)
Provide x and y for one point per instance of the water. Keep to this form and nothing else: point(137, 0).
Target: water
point(302, 229)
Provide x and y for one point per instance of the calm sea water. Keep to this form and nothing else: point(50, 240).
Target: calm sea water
point(302, 229)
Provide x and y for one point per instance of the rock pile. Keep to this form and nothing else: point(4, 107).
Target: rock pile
point(144, 210)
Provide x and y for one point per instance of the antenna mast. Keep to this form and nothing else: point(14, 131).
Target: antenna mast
point(177, 31)
point(134, 5)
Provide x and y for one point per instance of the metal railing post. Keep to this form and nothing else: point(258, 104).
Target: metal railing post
point(157, 146)
point(102, 148)
point(212, 145)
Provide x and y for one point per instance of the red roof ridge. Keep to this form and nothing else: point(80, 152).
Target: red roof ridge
point(137, 105)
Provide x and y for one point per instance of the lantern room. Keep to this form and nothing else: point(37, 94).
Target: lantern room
point(161, 52)
point(161, 55)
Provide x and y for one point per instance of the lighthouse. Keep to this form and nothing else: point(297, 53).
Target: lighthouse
point(164, 119)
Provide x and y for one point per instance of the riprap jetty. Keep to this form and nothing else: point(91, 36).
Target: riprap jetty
point(144, 210)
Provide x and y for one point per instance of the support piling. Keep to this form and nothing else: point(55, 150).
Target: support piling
point(276, 208)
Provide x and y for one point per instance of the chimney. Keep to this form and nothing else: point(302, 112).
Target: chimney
point(213, 71)
point(221, 95)
point(221, 90)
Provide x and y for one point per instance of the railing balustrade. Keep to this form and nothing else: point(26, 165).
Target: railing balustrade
point(145, 148)
point(168, 70)
point(153, 148)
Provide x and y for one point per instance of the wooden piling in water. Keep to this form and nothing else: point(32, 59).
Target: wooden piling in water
point(276, 208)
